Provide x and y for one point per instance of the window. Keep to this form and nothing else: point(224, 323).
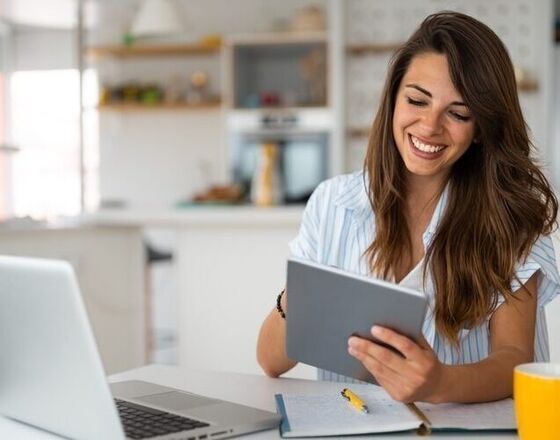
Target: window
point(44, 118)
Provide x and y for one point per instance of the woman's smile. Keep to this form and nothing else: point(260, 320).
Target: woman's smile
point(425, 149)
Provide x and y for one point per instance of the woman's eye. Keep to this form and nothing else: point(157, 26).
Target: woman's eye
point(460, 117)
point(415, 102)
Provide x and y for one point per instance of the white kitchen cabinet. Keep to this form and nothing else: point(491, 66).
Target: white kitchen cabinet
point(109, 264)
point(229, 280)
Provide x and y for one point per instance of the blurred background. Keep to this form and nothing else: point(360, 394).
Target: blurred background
point(166, 148)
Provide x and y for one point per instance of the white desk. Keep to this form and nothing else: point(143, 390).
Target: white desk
point(253, 390)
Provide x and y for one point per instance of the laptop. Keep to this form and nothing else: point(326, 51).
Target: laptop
point(327, 305)
point(51, 375)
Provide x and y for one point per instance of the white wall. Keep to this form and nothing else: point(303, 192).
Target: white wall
point(60, 14)
point(553, 310)
point(154, 159)
point(42, 49)
point(556, 116)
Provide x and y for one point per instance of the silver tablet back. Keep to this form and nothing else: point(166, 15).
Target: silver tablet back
point(325, 306)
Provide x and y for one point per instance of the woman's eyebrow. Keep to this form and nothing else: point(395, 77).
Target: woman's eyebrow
point(425, 92)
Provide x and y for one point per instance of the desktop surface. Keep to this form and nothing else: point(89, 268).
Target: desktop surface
point(248, 389)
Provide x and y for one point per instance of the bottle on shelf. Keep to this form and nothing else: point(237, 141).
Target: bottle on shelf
point(265, 187)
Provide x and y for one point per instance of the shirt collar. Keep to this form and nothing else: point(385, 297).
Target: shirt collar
point(353, 196)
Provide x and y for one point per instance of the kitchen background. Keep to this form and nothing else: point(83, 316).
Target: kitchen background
point(169, 157)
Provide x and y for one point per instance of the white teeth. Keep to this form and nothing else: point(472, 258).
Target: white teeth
point(427, 148)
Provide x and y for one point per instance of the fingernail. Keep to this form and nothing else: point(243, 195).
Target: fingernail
point(375, 330)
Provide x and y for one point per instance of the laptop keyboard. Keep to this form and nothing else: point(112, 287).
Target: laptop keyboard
point(143, 422)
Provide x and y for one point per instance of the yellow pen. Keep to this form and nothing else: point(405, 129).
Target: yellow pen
point(354, 400)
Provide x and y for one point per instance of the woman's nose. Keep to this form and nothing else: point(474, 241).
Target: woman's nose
point(432, 122)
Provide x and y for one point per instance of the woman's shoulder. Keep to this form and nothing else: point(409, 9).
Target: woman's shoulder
point(545, 252)
point(339, 188)
point(542, 257)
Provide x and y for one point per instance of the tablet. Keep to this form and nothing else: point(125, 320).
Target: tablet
point(326, 305)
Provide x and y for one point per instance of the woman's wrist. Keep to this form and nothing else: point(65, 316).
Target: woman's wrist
point(284, 302)
point(281, 304)
point(444, 385)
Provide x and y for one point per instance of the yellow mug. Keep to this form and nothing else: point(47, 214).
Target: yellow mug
point(536, 392)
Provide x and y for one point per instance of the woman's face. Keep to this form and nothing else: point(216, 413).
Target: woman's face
point(432, 126)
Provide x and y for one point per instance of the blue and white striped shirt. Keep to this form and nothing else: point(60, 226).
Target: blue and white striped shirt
point(337, 227)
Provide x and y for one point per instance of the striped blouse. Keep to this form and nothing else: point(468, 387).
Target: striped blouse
point(338, 226)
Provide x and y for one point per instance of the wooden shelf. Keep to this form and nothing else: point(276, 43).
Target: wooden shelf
point(139, 107)
point(278, 108)
point(277, 38)
point(153, 50)
point(363, 49)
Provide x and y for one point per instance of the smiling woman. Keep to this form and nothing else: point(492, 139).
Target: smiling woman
point(451, 203)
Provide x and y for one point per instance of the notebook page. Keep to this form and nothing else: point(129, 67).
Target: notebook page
point(330, 414)
point(497, 415)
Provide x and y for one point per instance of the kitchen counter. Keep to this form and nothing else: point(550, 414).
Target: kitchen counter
point(17, 224)
point(211, 215)
point(208, 216)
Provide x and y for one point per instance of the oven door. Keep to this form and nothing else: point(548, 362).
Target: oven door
point(303, 161)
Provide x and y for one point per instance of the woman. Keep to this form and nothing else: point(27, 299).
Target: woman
point(450, 202)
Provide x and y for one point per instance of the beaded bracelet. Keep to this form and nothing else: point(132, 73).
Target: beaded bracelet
point(279, 305)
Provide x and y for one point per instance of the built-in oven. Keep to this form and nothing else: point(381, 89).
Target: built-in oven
point(300, 143)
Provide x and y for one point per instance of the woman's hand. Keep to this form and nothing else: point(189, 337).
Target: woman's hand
point(415, 377)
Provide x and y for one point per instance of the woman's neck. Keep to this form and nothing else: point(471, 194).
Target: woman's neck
point(422, 195)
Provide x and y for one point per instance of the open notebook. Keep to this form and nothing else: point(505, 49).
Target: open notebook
point(328, 413)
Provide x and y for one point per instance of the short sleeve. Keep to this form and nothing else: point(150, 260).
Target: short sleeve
point(543, 258)
point(306, 243)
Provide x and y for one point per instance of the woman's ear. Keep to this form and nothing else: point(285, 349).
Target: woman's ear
point(476, 136)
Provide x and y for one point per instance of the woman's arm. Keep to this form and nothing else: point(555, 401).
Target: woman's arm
point(512, 340)
point(271, 346)
point(419, 376)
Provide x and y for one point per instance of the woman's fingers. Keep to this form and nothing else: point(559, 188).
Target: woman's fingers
point(382, 354)
point(405, 378)
point(375, 363)
point(404, 345)
point(391, 380)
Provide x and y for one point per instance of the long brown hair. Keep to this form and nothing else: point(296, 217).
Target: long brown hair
point(499, 201)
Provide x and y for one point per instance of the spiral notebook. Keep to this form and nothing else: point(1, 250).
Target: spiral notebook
point(328, 414)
